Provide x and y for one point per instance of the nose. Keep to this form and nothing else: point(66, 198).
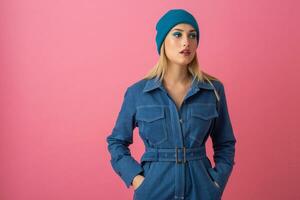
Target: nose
point(185, 40)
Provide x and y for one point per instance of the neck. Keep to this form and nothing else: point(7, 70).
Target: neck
point(177, 74)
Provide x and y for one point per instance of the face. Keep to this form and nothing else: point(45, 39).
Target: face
point(180, 37)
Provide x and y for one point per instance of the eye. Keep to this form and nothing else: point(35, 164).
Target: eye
point(177, 34)
point(193, 35)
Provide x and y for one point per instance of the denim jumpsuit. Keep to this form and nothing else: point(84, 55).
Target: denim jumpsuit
point(174, 164)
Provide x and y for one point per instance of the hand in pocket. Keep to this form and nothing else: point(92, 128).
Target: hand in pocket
point(137, 181)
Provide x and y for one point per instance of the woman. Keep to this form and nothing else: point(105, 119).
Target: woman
point(176, 107)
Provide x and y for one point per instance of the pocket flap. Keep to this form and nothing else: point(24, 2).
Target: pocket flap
point(204, 111)
point(149, 113)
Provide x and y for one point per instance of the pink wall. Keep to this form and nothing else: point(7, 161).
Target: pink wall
point(62, 82)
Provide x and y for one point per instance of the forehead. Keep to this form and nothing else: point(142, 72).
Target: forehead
point(184, 27)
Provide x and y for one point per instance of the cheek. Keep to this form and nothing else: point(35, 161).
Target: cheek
point(170, 44)
point(172, 47)
point(194, 45)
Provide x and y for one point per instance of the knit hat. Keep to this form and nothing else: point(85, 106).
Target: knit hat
point(169, 20)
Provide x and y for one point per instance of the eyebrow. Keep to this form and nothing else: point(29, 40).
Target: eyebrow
point(182, 30)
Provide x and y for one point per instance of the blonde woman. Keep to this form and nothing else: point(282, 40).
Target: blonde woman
point(176, 107)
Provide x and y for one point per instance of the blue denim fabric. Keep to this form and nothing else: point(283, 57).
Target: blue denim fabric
point(203, 113)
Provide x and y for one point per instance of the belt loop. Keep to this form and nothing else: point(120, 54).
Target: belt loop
point(176, 154)
point(184, 155)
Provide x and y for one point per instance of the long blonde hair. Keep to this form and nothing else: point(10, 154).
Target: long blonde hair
point(194, 68)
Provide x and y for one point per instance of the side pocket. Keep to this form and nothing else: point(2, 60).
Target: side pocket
point(210, 178)
point(148, 168)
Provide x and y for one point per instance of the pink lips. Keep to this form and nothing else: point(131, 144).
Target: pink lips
point(185, 52)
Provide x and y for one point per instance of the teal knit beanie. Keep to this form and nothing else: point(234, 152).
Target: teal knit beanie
point(169, 20)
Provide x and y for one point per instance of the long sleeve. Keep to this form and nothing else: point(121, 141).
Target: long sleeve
point(223, 140)
point(120, 139)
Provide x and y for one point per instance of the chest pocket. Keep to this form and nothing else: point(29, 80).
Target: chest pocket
point(200, 120)
point(152, 123)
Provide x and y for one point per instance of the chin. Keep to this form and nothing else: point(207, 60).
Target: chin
point(183, 62)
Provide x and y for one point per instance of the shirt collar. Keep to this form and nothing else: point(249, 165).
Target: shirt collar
point(155, 83)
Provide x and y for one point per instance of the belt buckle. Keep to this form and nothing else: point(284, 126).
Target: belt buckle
point(184, 157)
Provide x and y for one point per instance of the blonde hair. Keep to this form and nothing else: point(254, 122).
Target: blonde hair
point(194, 68)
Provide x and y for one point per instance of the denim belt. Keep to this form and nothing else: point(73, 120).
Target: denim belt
point(179, 154)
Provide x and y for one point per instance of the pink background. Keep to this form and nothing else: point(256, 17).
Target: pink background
point(66, 64)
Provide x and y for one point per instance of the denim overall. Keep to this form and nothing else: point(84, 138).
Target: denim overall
point(174, 164)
